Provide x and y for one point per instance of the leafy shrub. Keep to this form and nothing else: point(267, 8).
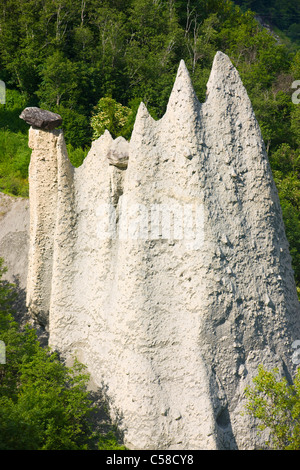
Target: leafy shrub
point(276, 406)
point(110, 115)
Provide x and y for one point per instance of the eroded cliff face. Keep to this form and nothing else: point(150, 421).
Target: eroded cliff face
point(167, 272)
point(14, 238)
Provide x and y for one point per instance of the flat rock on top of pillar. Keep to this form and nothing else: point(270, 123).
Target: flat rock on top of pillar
point(41, 118)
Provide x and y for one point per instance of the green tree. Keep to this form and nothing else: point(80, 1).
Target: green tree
point(110, 24)
point(156, 41)
point(59, 83)
point(76, 127)
point(285, 163)
point(295, 124)
point(276, 405)
point(110, 115)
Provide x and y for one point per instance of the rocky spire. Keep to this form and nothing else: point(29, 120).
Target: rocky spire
point(174, 323)
point(183, 102)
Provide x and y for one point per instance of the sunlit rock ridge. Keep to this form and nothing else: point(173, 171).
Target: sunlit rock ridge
point(167, 271)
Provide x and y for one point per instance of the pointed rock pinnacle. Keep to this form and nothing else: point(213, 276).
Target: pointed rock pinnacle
point(183, 93)
point(224, 77)
point(143, 122)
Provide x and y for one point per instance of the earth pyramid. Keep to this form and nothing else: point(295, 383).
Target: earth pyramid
point(169, 274)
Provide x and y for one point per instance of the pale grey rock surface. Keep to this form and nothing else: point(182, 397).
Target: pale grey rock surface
point(172, 316)
point(14, 238)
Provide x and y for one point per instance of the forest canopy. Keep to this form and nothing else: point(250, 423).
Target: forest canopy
point(74, 57)
point(67, 55)
point(284, 15)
